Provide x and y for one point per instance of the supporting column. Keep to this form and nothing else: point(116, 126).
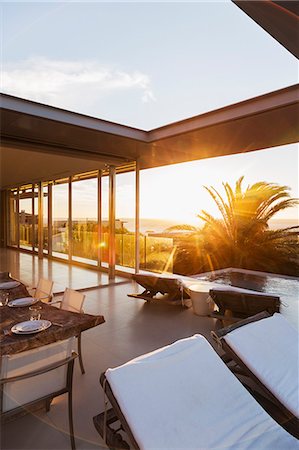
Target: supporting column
point(40, 232)
point(3, 218)
point(33, 217)
point(18, 218)
point(70, 221)
point(99, 218)
point(112, 178)
point(50, 222)
point(137, 220)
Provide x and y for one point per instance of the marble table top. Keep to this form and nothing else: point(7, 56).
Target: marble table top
point(73, 323)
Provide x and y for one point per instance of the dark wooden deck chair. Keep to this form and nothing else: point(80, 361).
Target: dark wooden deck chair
point(183, 397)
point(171, 288)
point(240, 305)
point(264, 350)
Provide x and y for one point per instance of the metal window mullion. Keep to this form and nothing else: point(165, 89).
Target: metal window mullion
point(137, 218)
point(7, 221)
point(70, 221)
point(50, 220)
point(112, 178)
point(99, 239)
point(33, 217)
point(18, 218)
point(40, 237)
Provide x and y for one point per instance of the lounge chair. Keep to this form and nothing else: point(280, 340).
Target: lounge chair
point(265, 349)
point(171, 288)
point(238, 304)
point(184, 397)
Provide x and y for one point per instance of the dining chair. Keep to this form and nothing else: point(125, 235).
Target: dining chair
point(36, 377)
point(73, 301)
point(43, 290)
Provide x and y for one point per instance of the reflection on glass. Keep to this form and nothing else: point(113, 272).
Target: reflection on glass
point(125, 227)
point(35, 218)
point(45, 218)
point(84, 221)
point(12, 237)
point(60, 239)
point(25, 218)
point(104, 244)
point(156, 254)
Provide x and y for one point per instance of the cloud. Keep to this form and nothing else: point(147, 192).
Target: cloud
point(68, 84)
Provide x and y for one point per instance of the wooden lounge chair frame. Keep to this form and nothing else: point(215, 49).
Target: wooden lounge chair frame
point(240, 305)
point(111, 424)
point(171, 288)
point(261, 393)
point(104, 420)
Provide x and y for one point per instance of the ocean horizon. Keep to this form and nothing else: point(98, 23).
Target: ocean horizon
point(160, 225)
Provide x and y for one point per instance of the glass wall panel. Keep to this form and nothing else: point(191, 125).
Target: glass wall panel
point(35, 217)
point(84, 221)
point(12, 238)
point(125, 220)
point(104, 245)
point(45, 218)
point(60, 238)
point(25, 218)
point(156, 253)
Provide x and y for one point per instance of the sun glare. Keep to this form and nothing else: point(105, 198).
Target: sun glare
point(176, 192)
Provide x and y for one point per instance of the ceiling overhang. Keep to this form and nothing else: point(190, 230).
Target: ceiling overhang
point(261, 122)
point(278, 18)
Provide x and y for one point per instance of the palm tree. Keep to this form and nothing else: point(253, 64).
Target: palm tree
point(242, 238)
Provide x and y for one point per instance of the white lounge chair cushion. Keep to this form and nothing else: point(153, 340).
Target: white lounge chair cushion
point(270, 349)
point(184, 397)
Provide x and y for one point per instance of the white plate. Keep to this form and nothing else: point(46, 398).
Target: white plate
point(24, 301)
point(9, 284)
point(31, 326)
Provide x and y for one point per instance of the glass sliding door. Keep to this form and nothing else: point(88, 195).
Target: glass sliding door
point(13, 211)
point(84, 220)
point(25, 218)
point(45, 218)
point(60, 234)
point(125, 220)
point(104, 245)
point(35, 217)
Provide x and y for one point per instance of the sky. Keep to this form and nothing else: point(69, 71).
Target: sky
point(147, 64)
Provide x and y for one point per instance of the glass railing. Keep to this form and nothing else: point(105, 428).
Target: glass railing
point(156, 253)
point(26, 236)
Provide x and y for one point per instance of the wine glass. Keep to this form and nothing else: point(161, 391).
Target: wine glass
point(4, 298)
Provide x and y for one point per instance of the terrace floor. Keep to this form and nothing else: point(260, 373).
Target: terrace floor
point(133, 327)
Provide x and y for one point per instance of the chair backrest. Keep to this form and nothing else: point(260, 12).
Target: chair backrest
point(156, 283)
point(244, 304)
point(72, 300)
point(21, 392)
point(44, 289)
point(4, 276)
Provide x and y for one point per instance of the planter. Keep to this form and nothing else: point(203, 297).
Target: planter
point(201, 304)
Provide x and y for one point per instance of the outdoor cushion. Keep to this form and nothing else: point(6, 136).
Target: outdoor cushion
point(184, 397)
point(270, 349)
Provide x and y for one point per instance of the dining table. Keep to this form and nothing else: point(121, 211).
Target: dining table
point(64, 324)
